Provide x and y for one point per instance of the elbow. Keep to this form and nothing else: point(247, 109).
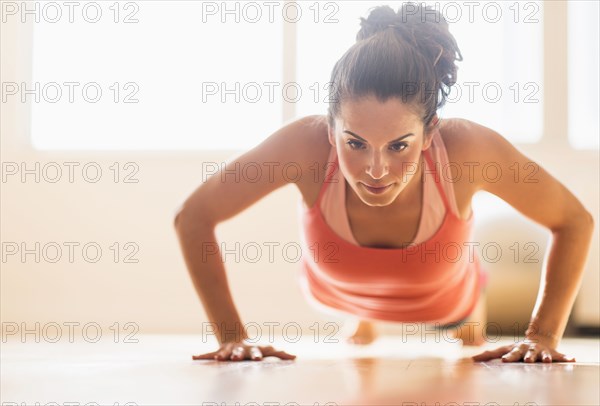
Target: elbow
point(582, 221)
point(178, 215)
point(589, 220)
point(191, 221)
point(585, 221)
point(176, 219)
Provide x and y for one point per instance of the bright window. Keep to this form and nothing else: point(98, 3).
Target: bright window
point(168, 81)
point(583, 74)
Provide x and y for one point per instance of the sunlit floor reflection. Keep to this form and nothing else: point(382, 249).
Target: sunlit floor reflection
point(158, 370)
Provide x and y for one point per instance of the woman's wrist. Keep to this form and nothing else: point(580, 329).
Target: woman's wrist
point(533, 332)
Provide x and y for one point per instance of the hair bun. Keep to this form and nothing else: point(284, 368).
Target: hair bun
point(423, 27)
point(379, 19)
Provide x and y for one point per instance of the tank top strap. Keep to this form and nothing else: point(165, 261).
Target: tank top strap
point(330, 169)
point(435, 174)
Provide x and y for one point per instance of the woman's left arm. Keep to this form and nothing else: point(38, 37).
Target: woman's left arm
point(542, 198)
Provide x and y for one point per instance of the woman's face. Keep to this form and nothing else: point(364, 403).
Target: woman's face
point(379, 144)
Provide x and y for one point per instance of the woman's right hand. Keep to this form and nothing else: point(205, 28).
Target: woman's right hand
point(239, 351)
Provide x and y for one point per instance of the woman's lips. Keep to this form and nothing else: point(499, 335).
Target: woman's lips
point(377, 190)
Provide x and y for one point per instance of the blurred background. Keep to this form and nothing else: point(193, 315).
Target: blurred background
point(114, 112)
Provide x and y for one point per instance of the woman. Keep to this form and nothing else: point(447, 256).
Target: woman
point(380, 212)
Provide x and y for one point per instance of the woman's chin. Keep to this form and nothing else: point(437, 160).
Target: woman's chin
point(377, 201)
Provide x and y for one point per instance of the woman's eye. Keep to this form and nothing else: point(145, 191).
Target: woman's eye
point(397, 147)
point(354, 144)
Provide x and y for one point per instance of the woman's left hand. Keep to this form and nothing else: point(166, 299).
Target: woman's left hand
point(526, 350)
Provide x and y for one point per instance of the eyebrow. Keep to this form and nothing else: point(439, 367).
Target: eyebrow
point(362, 139)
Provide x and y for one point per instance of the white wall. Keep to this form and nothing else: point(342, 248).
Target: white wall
point(156, 293)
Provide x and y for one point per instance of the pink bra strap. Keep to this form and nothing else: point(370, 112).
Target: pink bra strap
point(330, 169)
point(435, 177)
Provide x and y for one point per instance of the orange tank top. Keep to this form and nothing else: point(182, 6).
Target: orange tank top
point(437, 280)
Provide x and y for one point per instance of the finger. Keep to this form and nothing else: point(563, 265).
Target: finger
point(283, 355)
point(286, 356)
point(238, 353)
point(531, 355)
point(210, 355)
point(484, 356)
point(223, 354)
point(255, 354)
point(269, 351)
point(514, 355)
point(546, 356)
point(558, 357)
point(488, 355)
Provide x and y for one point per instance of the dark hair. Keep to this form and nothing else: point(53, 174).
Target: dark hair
point(408, 55)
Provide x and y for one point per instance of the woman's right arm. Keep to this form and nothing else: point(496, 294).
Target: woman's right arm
point(222, 197)
point(208, 276)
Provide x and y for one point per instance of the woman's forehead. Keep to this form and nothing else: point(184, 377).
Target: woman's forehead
point(370, 109)
point(377, 118)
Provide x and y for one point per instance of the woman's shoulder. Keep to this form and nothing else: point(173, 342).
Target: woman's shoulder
point(464, 151)
point(315, 146)
point(314, 152)
point(460, 137)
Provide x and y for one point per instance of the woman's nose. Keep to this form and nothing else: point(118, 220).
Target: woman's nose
point(377, 168)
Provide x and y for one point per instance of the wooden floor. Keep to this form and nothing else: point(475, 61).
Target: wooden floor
point(158, 370)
